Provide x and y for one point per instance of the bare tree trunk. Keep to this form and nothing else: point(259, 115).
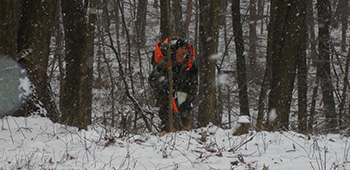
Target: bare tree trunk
point(219, 103)
point(196, 32)
point(34, 32)
point(262, 97)
point(302, 69)
point(188, 18)
point(117, 23)
point(311, 120)
point(252, 35)
point(140, 23)
point(287, 40)
point(220, 87)
point(260, 13)
point(229, 108)
point(343, 14)
point(266, 83)
point(75, 27)
point(177, 14)
point(344, 93)
point(59, 53)
point(164, 20)
point(87, 68)
point(9, 17)
point(140, 27)
point(241, 65)
point(208, 32)
point(311, 30)
point(325, 72)
point(170, 70)
point(313, 58)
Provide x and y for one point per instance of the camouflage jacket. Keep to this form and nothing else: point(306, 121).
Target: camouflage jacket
point(184, 79)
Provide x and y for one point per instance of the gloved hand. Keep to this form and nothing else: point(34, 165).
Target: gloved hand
point(159, 81)
point(186, 105)
point(163, 83)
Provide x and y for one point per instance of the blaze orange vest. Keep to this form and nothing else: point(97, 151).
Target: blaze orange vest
point(158, 56)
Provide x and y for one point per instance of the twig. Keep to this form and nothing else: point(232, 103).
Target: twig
point(189, 140)
point(19, 128)
point(308, 154)
point(8, 125)
point(239, 146)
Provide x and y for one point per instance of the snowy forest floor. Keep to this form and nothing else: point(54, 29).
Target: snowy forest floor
point(37, 143)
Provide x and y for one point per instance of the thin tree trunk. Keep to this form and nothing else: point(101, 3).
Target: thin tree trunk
point(252, 35)
point(170, 70)
point(196, 32)
point(311, 120)
point(260, 13)
point(302, 69)
point(59, 53)
point(344, 93)
point(219, 103)
point(164, 20)
point(188, 18)
point(343, 7)
point(140, 27)
point(262, 98)
point(266, 84)
point(129, 47)
point(310, 25)
point(241, 65)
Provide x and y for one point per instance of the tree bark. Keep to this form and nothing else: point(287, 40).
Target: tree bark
point(241, 65)
point(252, 35)
point(323, 8)
point(302, 69)
point(87, 67)
point(9, 17)
point(342, 117)
point(177, 14)
point(35, 28)
point(208, 32)
point(286, 44)
point(266, 83)
point(164, 20)
point(75, 28)
point(170, 71)
point(141, 23)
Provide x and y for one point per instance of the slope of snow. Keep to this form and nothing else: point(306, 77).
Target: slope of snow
point(37, 143)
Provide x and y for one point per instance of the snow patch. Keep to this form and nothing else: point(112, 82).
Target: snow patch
point(243, 119)
point(272, 115)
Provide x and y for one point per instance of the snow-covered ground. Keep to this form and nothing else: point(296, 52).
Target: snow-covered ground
point(37, 143)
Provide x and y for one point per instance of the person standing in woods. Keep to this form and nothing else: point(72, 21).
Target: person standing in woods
point(185, 81)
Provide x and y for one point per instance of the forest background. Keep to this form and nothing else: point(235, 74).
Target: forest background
point(282, 64)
